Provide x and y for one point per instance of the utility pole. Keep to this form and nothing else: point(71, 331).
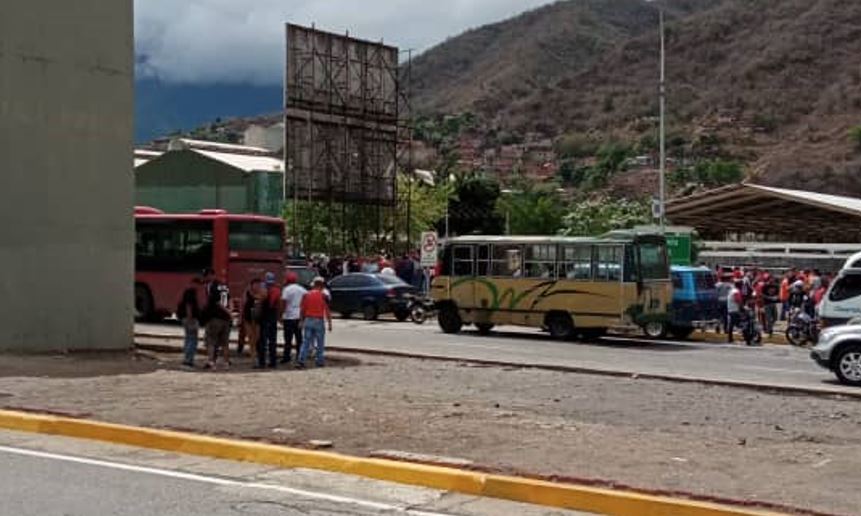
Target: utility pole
point(663, 135)
point(411, 166)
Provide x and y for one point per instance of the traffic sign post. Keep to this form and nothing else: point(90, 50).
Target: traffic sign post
point(430, 242)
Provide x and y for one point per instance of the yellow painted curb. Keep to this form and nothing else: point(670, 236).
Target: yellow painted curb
point(567, 496)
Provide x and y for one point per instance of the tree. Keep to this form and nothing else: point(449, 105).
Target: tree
point(531, 209)
point(855, 134)
point(595, 217)
point(472, 210)
point(428, 204)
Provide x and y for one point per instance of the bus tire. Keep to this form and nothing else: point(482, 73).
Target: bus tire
point(655, 329)
point(144, 305)
point(560, 325)
point(484, 328)
point(449, 319)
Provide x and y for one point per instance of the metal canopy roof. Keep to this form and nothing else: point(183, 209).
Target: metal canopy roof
point(784, 214)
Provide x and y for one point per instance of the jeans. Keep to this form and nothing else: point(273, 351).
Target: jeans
point(190, 346)
point(770, 316)
point(291, 331)
point(315, 335)
point(267, 344)
point(733, 321)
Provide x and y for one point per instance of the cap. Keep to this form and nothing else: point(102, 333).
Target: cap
point(319, 281)
point(291, 278)
point(269, 278)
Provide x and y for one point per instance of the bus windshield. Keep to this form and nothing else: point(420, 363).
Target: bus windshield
point(653, 261)
point(255, 236)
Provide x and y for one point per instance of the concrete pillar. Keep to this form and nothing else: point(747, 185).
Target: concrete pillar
point(66, 184)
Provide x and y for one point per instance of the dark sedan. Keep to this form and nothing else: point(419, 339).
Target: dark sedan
point(371, 295)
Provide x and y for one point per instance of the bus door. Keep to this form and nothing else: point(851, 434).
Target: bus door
point(463, 275)
point(609, 304)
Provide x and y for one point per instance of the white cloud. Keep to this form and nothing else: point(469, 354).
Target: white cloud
point(243, 40)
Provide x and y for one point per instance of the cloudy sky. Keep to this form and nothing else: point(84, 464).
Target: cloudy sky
point(205, 41)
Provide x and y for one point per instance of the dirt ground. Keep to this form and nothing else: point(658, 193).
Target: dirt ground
point(800, 451)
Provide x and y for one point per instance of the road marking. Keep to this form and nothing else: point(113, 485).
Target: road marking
point(220, 481)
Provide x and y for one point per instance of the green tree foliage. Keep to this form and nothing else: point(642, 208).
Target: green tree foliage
point(428, 204)
point(530, 209)
point(472, 210)
point(711, 173)
point(597, 216)
point(576, 145)
point(855, 134)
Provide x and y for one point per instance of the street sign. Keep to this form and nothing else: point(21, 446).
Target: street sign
point(657, 209)
point(429, 244)
point(679, 248)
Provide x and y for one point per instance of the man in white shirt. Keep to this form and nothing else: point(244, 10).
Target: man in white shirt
point(291, 298)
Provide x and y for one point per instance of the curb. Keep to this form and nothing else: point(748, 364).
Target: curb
point(551, 494)
point(789, 389)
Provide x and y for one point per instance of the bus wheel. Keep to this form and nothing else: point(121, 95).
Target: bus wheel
point(449, 319)
point(560, 326)
point(655, 329)
point(144, 307)
point(484, 328)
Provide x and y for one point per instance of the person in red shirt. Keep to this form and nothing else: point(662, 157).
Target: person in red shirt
point(316, 316)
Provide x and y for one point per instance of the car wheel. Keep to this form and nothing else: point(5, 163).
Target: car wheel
point(655, 329)
point(847, 365)
point(560, 326)
point(144, 306)
point(449, 319)
point(370, 312)
point(484, 328)
point(402, 314)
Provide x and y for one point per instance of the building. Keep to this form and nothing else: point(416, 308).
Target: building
point(750, 224)
point(193, 175)
point(270, 137)
point(66, 110)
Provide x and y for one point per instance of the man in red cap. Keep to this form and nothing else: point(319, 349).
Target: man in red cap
point(291, 298)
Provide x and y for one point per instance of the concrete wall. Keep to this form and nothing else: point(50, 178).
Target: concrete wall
point(66, 185)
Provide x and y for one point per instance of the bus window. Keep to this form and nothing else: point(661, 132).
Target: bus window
point(483, 260)
point(507, 261)
point(653, 261)
point(255, 236)
point(183, 246)
point(609, 263)
point(576, 262)
point(463, 260)
point(541, 261)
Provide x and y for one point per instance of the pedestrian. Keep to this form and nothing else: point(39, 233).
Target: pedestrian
point(216, 318)
point(252, 307)
point(291, 303)
point(188, 312)
point(267, 345)
point(723, 286)
point(734, 303)
point(771, 299)
point(785, 283)
point(315, 317)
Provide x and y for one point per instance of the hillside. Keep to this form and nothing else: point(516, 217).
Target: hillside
point(773, 83)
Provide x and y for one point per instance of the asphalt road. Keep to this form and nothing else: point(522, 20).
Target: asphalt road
point(48, 475)
point(770, 365)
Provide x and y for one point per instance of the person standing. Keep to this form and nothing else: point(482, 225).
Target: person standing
point(723, 287)
point(188, 312)
point(267, 347)
point(315, 316)
point(734, 303)
point(216, 319)
point(252, 307)
point(291, 302)
point(770, 298)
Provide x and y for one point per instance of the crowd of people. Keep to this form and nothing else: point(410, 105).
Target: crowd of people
point(767, 297)
point(305, 314)
point(407, 267)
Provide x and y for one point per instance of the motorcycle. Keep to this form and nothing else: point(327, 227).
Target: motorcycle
point(750, 330)
point(802, 328)
point(421, 309)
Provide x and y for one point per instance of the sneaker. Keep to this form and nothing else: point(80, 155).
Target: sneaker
point(300, 365)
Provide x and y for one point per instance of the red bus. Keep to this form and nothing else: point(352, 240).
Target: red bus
point(171, 249)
